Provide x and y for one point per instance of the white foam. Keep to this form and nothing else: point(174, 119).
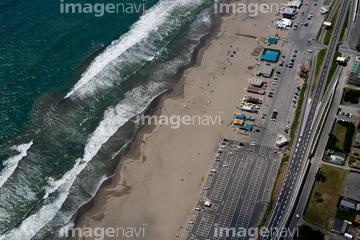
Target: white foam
point(134, 103)
point(12, 163)
point(148, 24)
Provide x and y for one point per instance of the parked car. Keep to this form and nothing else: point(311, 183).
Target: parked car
point(274, 114)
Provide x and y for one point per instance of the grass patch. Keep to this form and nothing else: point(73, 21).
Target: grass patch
point(341, 137)
point(306, 232)
point(319, 60)
point(351, 95)
point(297, 112)
point(345, 25)
point(329, 32)
point(345, 215)
point(322, 206)
point(339, 132)
point(333, 68)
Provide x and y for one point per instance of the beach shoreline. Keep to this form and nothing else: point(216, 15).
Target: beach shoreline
point(122, 184)
point(154, 109)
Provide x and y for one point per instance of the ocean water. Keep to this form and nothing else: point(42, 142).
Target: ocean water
point(70, 85)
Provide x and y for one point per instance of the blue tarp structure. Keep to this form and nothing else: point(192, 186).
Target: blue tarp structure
point(270, 55)
point(246, 127)
point(241, 116)
point(250, 118)
point(272, 40)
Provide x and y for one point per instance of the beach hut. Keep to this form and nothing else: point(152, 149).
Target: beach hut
point(238, 122)
point(272, 40)
point(246, 109)
point(240, 116)
point(247, 127)
point(250, 118)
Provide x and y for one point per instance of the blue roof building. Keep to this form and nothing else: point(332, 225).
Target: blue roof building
point(270, 55)
point(272, 40)
point(240, 116)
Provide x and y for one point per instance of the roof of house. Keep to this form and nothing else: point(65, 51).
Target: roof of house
point(346, 203)
point(266, 69)
point(339, 226)
point(339, 154)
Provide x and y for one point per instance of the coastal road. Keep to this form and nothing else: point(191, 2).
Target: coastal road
point(283, 211)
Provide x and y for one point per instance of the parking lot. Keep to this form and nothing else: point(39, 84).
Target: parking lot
point(237, 189)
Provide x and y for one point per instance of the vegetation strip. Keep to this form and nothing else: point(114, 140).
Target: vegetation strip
point(329, 32)
point(332, 71)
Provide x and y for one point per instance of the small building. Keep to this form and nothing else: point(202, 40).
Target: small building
point(354, 77)
point(255, 90)
point(282, 141)
point(323, 10)
point(357, 140)
point(253, 100)
point(247, 127)
point(348, 236)
point(296, 4)
point(250, 118)
point(246, 109)
point(338, 158)
point(272, 40)
point(284, 23)
point(238, 121)
point(357, 208)
point(256, 82)
point(339, 226)
point(266, 71)
point(288, 12)
point(240, 116)
point(348, 204)
point(270, 55)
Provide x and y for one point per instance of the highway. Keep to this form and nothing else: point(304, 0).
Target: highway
point(283, 211)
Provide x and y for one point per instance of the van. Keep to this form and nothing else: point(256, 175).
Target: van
point(309, 51)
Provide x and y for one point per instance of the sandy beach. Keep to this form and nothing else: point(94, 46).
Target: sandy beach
point(157, 184)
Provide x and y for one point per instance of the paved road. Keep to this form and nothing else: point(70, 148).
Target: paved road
point(283, 211)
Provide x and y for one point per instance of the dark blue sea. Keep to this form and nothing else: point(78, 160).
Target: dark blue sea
point(71, 83)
